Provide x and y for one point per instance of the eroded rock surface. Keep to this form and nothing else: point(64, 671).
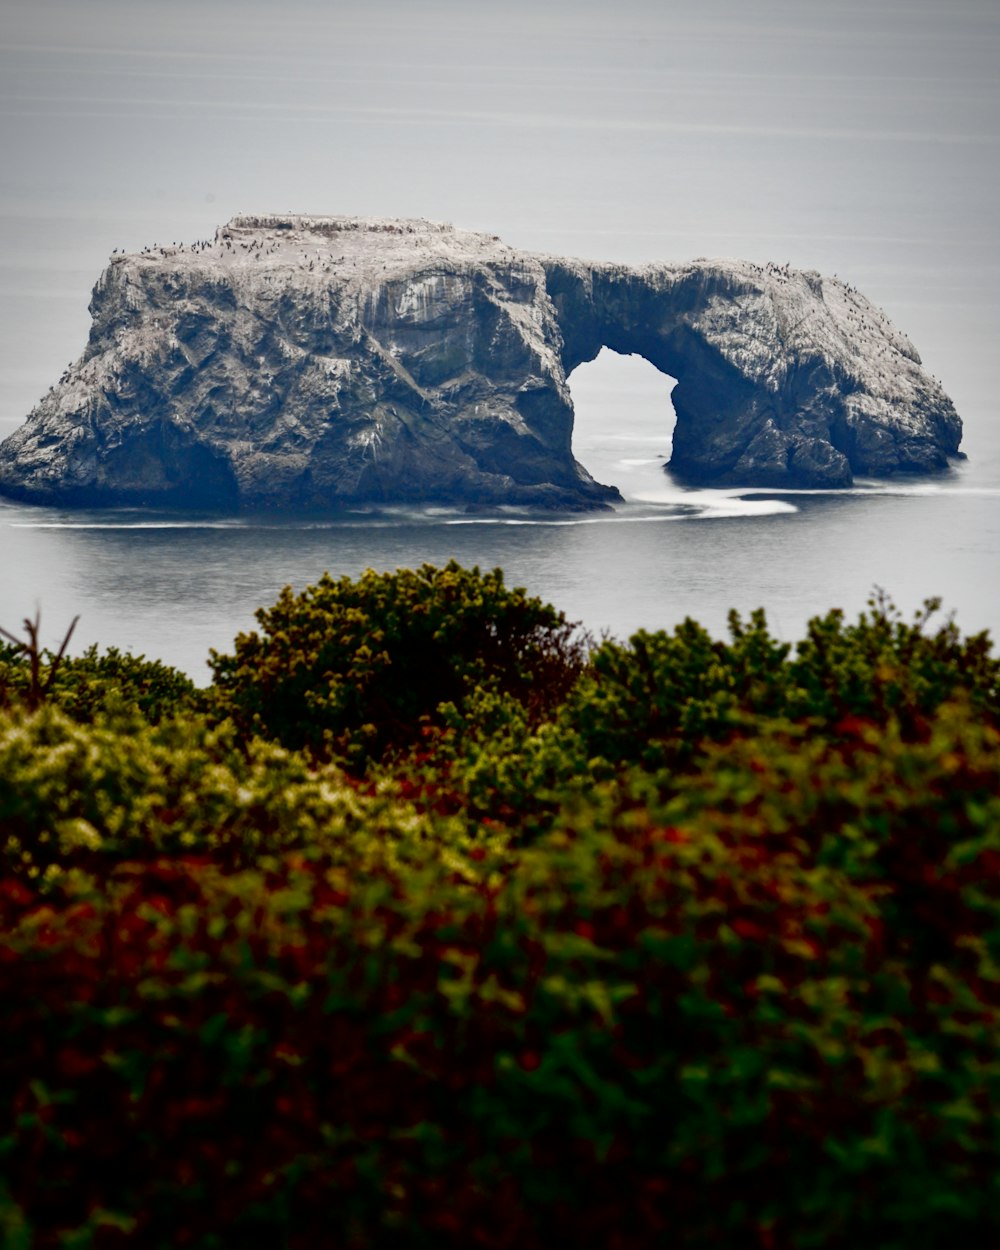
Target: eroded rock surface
point(316, 362)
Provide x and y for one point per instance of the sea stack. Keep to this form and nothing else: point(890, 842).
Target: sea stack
point(301, 363)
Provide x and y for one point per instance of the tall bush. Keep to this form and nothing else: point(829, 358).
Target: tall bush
point(354, 667)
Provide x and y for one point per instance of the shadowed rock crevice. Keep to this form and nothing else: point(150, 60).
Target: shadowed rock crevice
point(300, 363)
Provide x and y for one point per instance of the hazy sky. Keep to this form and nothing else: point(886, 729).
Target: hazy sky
point(856, 138)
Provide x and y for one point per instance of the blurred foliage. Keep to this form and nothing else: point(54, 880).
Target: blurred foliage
point(89, 796)
point(421, 928)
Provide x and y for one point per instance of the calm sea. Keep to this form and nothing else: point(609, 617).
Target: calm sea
point(855, 137)
point(172, 586)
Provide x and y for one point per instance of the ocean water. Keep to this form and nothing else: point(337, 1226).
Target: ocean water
point(858, 139)
point(172, 586)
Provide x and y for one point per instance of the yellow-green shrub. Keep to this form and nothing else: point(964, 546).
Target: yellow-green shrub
point(97, 680)
point(77, 795)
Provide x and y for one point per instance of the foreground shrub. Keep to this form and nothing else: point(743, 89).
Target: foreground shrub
point(354, 667)
point(95, 681)
point(696, 946)
point(663, 694)
point(89, 796)
point(764, 1011)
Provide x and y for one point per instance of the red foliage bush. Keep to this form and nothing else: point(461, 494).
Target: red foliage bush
point(698, 1032)
point(511, 990)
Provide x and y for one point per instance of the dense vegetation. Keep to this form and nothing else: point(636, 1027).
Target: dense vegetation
point(428, 925)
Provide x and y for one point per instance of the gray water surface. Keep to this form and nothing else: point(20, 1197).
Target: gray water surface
point(173, 585)
point(856, 137)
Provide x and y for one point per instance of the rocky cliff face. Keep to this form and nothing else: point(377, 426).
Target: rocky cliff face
point(303, 362)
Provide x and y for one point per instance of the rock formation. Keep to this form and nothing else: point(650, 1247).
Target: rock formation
point(316, 362)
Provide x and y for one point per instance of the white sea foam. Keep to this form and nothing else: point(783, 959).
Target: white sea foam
point(738, 506)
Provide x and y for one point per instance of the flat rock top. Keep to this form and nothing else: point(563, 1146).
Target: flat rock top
point(348, 246)
point(353, 248)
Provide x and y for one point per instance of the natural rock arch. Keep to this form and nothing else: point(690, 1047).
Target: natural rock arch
point(298, 362)
point(763, 397)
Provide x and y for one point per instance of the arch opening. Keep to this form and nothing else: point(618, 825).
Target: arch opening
point(624, 422)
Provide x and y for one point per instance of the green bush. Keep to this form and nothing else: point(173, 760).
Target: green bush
point(491, 761)
point(355, 668)
point(97, 680)
point(884, 666)
point(772, 1021)
point(656, 699)
point(696, 944)
point(87, 683)
point(80, 796)
point(13, 673)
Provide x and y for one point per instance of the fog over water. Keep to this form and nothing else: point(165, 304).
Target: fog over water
point(855, 138)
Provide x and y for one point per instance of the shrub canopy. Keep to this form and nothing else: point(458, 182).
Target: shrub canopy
point(355, 667)
point(691, 942)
